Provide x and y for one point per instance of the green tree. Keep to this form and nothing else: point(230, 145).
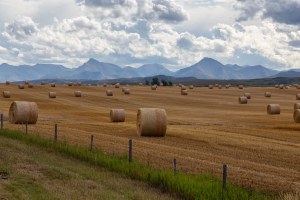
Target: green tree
point(155, 81)
point(164, 82)
point(170, 83)
point(146, 82)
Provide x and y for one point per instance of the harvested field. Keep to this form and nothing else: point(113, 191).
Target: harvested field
point(204, 131)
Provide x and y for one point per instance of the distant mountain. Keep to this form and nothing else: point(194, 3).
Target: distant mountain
point(27, 72)
point(288, 74)
point(256, 72)
point(152, 70)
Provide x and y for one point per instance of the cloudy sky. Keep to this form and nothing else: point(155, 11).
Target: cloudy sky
point(175, 33)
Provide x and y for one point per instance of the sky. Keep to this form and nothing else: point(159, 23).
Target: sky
point(174, 33)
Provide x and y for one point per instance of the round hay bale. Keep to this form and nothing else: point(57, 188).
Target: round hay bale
point(216, 85)
point(109, 93)
point(273, 109)
point(179, 85)
point(287, 87)
point(297, 106)
point(295, 85)
point(79, 83)
point(123, 89)
point(161, 84)
point(52, 84)
point(184, 92)
point(26, 82)
point(248, 95)
point(241, 87)
point(117, 85)
point(21, 86)
point(298, 96)
point(21, 111)
point(281, 87)
point(298, 86)
point(52, 94)
point(117, 115)
point(75, 84)
point(127, 91)
point(7, 82)
point(77, 93)
point(220, 86)
point(6, 94)
point(140, 84)
point(153, 87)
point(191, 87)
point(43, 83)
point(297, 115)
point(104, 84)
point(276, 86)
point(183, 87)
point(227, 86)
point(268, 94)
point(70, 83)
point(210, 87)
point(30, 85)
point(243, 100)
point(151, 122)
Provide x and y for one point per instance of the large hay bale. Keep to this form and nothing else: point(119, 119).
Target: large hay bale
point(287, 87)
point(6, 94)
point(241, 87)
point(153, 87)
point(227, 86)
point(281, 86)
point(161, 84)
point(295, 85)
point(183, 87)
point(30, 85)
point(243, 100)
point(297, 106)
point(220, 86)
point(52, 84)
point(79, 83)
point(7, 82)
point(140, 84)
point(52, 94)
point(70, 83)
point(21, 111)
point(104, 84)
point(109, 93)
point(151, 122)
point(117, 115)
point(298, 96)
point(216, 85)
point(117, 85)
point(127, 91)
point(75, 84)
point(191, 87)
point(123, 89)
point(273, 109)
point(184, 92)
point(43, 83)
point(298, 86)
point(210, 87)
point(297, 115)
point(21, 86)
point(276, 86)
point(77, 93)
point(179, 85)
point(268, 94)
point(26, 82)
point(248, 95)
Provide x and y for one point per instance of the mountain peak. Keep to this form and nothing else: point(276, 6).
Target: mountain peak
point(92, 60)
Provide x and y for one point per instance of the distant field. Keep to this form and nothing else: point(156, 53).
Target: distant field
point(206, 129)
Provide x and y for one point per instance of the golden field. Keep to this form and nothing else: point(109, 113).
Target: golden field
point(206, 129)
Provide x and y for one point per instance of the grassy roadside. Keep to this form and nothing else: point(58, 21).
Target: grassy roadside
point(182, 185)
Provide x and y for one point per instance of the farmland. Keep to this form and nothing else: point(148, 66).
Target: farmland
point(206, 128)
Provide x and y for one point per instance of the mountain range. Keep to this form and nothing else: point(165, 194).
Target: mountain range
point(207, 68)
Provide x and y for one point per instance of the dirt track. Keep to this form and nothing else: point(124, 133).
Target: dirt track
point(206, 128)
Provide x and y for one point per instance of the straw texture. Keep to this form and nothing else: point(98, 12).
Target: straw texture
point(298, 96)
point(191, 87)
point(179, 85)
point(241, 87)
point(77, 93)
point(281, 87)
point(161, 84)
point(42, 83)
point(117, 115)
point(26, 82)
point(216, 85)
point(211, 87)
point(117, 85)
point(7, 82)
point(21, 111)
point(184, 92)
point(243, 100)
point(273, 109)
point(89, 84)
point(75, 84)
point(70, 83)
point(140, 84)
point(79, 83)
point(297, 115)
point(248, 95)
point(30, 85)
point(153, 87)
point(21, 86)
point(220, 86)
point(183, 87)
point(52, 94)
point(104, 84)
point(276, 86)
point(52, 84)
point(109, 93)
point(151, 122)
point(6, 94)
point(227, 86)
point(127, 91)
point(123, 89)
point(297, 106)
point(268, 94)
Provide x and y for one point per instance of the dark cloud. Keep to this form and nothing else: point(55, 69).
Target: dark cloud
point(101, 3)
point(184, 43)
point(295, 43)
point(282, 11)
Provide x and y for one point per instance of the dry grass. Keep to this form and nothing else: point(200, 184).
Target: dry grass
point(204, 131)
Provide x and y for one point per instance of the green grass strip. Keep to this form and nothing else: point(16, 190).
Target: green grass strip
point(185, 186)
